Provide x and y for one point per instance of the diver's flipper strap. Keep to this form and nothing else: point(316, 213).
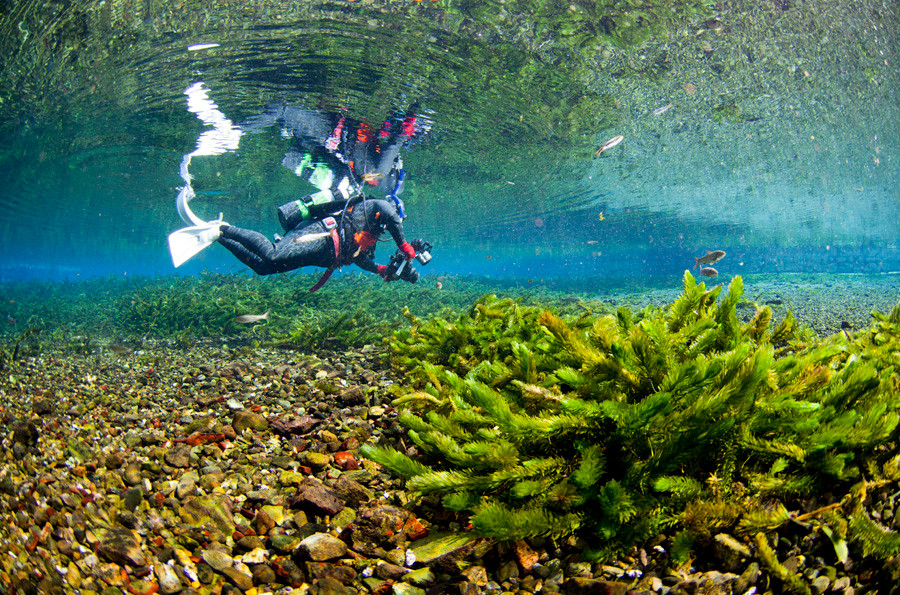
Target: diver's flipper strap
point(337, 261)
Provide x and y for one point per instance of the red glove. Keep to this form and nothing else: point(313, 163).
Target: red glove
point(408, 250)
point(382, 271)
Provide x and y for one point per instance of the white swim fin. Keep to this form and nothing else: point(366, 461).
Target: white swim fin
point(187, 242)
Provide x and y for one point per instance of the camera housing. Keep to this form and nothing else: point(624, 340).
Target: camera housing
point(400, 268)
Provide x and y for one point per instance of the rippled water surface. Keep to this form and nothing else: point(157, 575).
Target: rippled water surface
point(766, 128)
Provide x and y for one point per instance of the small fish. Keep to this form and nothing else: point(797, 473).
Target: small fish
point(439, 285)
point(371, 177)
point(661, 110)
point(119, 348)
point(609, 144)
point(10, 320)
point(709, 258)
point(252, 318)
point(709, 272)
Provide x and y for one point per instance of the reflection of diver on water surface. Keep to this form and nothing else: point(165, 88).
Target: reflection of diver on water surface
point(334, 226)
point(338, 154)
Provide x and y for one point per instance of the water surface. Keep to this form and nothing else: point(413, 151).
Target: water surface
point(778, 144)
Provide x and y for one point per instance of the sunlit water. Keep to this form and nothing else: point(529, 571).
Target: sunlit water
point(766, 129)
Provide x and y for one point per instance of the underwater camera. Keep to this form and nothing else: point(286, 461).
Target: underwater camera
point(400, 268)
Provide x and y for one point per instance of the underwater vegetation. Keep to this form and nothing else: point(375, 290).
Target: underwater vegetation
point(350, 312)
point(615, 427)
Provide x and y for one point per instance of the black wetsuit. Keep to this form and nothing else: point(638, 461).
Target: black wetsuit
point(311, 244)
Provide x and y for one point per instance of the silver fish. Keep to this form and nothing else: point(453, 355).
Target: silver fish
point(252, 318)
point(709, 258)
point(709, 272)
point(609, 144)
point(661, 110)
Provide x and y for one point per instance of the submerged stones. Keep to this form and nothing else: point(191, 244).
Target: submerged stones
point(164, 490)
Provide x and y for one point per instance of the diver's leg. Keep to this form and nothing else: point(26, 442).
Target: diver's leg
point(306, 246)
point(250, 247)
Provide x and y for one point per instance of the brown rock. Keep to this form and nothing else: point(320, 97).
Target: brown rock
point(25, 433)
point(263, 574)
point(589, 586)
point(338, 572)
point(328, 586)
point(526, 556)
point(114, 460)
point(303, 424)
point(179, 456)
point(316, 498)
point(390, 572)
point(355, 395)
point(262, 523)
point(121, 546)
point(242, 581)
point(351, 491)
point(322, 546)
point(42, 406)
point(377, 523)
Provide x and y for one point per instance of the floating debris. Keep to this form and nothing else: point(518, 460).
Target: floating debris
point(609, 144)
point(252, 318)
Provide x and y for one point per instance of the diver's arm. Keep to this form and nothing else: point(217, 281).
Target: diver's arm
point(365, 262)
point(387, 214)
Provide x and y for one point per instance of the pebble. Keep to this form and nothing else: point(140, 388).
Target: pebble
point(217, 560)
point(322, 546)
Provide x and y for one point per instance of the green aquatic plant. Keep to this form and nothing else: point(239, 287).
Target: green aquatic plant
point(615, 426)
point(350, 312)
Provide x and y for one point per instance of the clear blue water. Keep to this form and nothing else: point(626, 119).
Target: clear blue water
point(779, 144)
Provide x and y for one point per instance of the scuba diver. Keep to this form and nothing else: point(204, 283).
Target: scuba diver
point(331, 235)
point(335, 226)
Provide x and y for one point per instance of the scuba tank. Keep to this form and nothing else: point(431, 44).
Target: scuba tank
point(291, 214)
point(319, 204)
